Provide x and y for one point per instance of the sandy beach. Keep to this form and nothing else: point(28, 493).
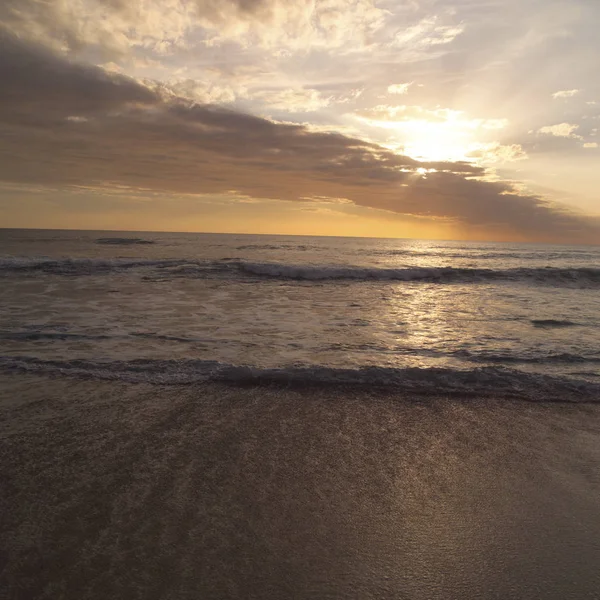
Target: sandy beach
point(114, 490)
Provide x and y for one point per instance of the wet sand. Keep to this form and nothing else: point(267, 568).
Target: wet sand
point(113, 490)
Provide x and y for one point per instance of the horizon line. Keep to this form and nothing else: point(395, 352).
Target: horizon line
point(358, 237)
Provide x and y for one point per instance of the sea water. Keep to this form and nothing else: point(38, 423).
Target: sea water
point(425, 317)
point(392, 437)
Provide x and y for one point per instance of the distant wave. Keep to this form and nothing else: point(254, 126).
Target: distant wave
point(300, 247)
point(34, 336)
point(116, 241)
point(37, 335)
point(261, 247)
point(481, 382)
point(80, 266)
point(474, 254)
point(552, 323)
point(583, 277)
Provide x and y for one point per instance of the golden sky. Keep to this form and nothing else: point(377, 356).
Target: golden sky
point(465, 119)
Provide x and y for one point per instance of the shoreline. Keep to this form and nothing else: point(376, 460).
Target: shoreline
point(482, 382)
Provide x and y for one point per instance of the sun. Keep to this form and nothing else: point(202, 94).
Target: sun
point(434, 141)
point(430, 142)
point(447, 136)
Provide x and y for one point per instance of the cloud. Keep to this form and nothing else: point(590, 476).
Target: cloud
point(64, 124)
point(293, 100)
point(40, 85)
point(294, 24)
point(116, 26)
point(206, 92)
point(590, 145)
point(399, 88)
point(386, 112)
point(430, 31)
point(565, 94)
point(494, 152)
point(561, 130)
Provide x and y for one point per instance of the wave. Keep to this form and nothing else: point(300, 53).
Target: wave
point(477, 357)
point(473, 254)
point(584, 277)
point(299, 247)
point(81, 266)
point(270, 247)
point(115, 241)
point(427, 274)
point(34, 336)
point(37, 335)
point(482, 382)
point(540, 359)
point(552, 323)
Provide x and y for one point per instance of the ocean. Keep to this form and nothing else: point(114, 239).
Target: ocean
point(249, 416)
point(427, 317)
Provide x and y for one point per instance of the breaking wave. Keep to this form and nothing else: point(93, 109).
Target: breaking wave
point(551, 275)
point(482, 382)
point(584, 277)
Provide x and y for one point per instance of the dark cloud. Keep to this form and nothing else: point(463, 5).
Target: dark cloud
point(67, 124)
point(37, 83)
point(211, 8)
point(50, 21)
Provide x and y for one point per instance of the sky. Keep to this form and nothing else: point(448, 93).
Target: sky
point(440, 119)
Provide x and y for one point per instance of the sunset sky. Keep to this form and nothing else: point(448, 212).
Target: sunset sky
point(459, 119)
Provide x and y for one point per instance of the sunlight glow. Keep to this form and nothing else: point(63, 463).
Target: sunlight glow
point(433, 141)
point(447, 136)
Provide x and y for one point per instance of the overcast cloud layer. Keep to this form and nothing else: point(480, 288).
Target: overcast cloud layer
point(375, 103)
